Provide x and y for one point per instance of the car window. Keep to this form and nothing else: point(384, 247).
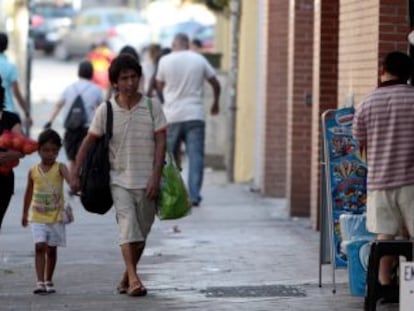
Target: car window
point(206, 32)
point(93, 20)
point(50, 11)
point(122, 18)
point(87, 20)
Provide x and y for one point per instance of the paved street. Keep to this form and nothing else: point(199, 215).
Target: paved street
point(237, 251)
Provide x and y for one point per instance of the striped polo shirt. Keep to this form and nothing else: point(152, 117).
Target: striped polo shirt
point(132, 144)
point(385, 122)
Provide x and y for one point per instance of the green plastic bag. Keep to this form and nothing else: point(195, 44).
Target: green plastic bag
point(174, 201)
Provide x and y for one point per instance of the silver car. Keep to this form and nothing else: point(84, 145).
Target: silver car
point(115, 26)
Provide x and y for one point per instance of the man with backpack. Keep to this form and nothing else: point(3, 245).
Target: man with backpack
point(79, 100)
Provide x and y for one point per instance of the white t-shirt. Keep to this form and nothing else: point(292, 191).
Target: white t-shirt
point(91, 95)
point(132, 144)
point(148, 70)
point(184, 73)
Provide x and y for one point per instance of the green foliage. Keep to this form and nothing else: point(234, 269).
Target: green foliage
point(218, 6)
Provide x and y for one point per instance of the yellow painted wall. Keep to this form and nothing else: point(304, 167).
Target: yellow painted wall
point(222, 40)
point(246, 94)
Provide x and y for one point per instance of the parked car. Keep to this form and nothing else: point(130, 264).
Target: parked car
point(195, 30)
point(115, 26)
point(47, 20)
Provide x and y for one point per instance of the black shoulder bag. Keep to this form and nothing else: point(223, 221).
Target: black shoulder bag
point(95, 178)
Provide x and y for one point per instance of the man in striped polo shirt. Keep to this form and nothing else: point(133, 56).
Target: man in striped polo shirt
point(136, 154)
point(384, 126)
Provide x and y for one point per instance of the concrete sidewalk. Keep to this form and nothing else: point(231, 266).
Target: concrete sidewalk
point(237, 251)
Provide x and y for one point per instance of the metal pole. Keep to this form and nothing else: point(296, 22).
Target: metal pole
point(29, 53)
point(235, 13)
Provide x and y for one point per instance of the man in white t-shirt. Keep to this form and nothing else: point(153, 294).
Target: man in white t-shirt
point(92, 97)
point(180, 77)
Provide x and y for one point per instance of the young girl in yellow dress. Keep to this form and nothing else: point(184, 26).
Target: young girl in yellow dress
point(43, 206)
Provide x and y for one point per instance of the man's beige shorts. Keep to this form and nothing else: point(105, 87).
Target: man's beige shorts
point(134, 214)
point(388, 210)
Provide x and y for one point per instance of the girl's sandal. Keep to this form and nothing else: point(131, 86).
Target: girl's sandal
point(50, 289)
point(40, 288)
point(122, 288)
point(137, 290)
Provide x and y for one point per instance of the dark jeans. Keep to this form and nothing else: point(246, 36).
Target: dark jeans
point(6, 192)
point(192, 133)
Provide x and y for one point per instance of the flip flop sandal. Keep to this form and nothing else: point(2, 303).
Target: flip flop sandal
point(40, 288)
point(122, 288)
point(50, 288)
point(137, 290)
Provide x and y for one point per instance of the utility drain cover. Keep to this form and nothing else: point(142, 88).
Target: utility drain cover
point(254, 291)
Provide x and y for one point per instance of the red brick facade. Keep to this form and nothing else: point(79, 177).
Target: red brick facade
point(394, 27)
point(299, 106)
point(275, 143)
point(331, 53)
point(325, 86)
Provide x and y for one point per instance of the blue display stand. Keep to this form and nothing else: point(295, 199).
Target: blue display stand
point(345, 194)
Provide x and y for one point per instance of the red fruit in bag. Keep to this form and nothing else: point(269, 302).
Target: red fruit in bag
point(18, 142)
point(30, 146)
point(6, 140)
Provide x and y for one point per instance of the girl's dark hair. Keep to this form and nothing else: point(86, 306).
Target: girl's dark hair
point(123, 62)
point(51, 136)
point(2, 95)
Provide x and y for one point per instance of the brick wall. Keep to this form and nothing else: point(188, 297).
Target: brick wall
point(299, 113)
point(276, 97)
point(369, 29)
point(393, 27)
point(358, 49)
point(325, 87)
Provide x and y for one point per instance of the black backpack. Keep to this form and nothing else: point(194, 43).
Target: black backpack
point(76, 118)
point(96, 194)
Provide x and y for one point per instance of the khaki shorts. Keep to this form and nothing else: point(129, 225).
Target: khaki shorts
point(388, 210)
point(134, 214)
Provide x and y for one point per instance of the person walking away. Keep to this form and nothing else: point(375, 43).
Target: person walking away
point(180, 78)
point(384, 126)
point(10, 77)
point(149, 66)
point(152, 88)
point(137, 154)
point(9, 121)
point(197, 45)
point(43, 205)
point(91, 96)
